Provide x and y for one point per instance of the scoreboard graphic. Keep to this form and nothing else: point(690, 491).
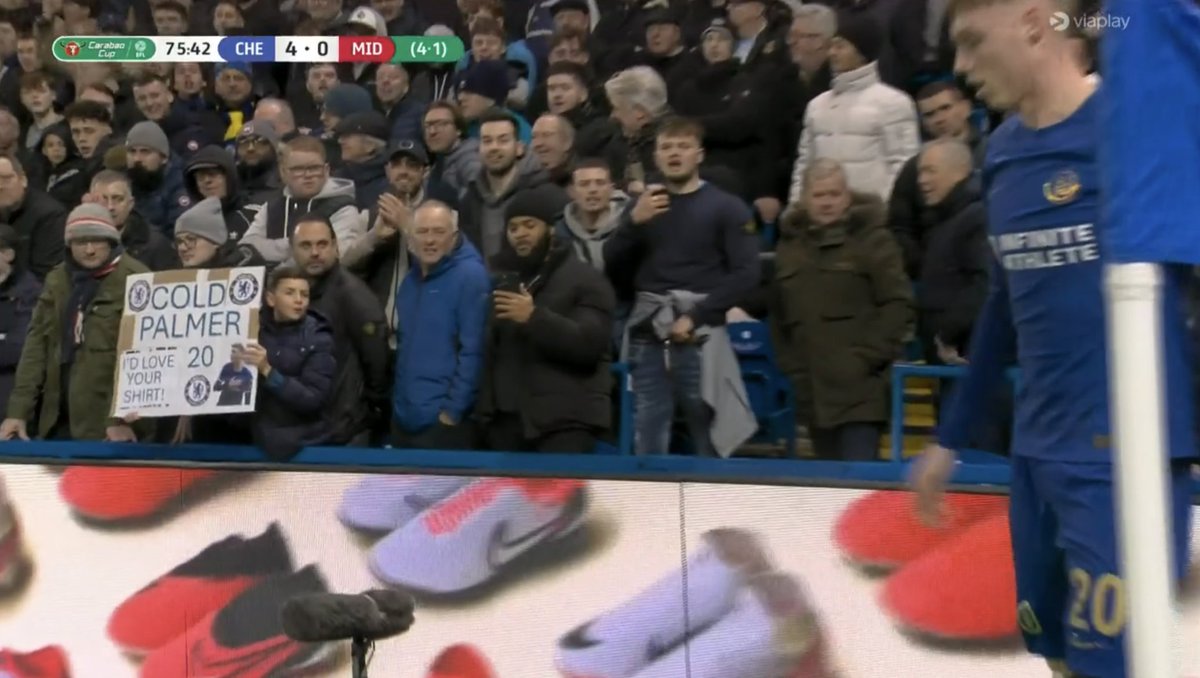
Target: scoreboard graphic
point(269, 49)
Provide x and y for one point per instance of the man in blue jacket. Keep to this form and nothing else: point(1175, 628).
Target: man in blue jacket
point(441, 313)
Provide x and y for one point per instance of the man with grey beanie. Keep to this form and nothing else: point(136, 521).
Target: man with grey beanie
point(156, 177)
point(65, 376)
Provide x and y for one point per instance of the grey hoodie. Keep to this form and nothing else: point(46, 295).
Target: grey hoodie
point(459, 167)
point(268, 235)
point(481, 215)
point(589, 245)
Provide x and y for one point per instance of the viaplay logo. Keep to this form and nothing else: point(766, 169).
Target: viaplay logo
point(1088, 24)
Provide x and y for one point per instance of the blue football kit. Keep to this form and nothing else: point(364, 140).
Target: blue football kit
point(1046, 306)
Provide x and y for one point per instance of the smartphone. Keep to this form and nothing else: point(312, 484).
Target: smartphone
point(507, 282)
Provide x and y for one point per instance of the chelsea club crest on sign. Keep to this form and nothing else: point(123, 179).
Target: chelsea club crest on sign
point(244, 289)
point(139, 296)
point(197, 390)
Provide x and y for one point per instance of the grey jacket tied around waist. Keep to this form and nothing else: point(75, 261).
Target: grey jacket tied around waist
point(720, 375)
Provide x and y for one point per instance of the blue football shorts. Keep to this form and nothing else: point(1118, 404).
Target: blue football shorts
point(1071, 600)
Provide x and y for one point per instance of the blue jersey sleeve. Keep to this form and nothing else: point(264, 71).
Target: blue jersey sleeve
point(993, 342)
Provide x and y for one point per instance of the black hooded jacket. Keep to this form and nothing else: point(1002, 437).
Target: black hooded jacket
point(67, 181)
point(239, 213)
point(148, 245)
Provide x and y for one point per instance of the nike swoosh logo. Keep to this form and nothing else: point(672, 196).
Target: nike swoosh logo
point(233, 662)
point(503, 551)
point(578, 638)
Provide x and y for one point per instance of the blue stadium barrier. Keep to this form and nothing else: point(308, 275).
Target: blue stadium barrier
point(624, 438)
point(673, 468)
point(901, 373)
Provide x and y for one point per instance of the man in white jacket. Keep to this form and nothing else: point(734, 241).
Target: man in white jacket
point(868, 127)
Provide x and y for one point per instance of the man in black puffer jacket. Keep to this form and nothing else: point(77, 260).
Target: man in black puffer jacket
point(295, 363)
point(546, 383)
point(362, 391)
point(212, 173)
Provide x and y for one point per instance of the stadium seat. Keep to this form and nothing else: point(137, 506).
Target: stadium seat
point(768, 389)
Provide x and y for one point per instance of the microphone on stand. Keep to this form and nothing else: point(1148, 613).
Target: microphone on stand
point(363, 619)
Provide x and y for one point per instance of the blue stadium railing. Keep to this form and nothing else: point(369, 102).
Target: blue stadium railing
point(617, 467)
point(901, 373)
point(618, 463)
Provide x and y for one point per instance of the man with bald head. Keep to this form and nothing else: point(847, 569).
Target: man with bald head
point(553, 144)
point(279, 113)
point(954, 268)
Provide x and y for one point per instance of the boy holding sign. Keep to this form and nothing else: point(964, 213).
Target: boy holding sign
point(294, 359)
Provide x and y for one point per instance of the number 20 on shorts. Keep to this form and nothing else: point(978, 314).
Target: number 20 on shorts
point(1098, 605)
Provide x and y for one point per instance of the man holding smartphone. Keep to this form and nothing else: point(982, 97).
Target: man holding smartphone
point(693, 254)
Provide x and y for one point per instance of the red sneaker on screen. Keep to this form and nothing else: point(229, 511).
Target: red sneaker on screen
point(48, 662)
point(461, 661)
point(245, 639)
point(14, 563)
point(965, 590)
point(882, 530)
point(164, 609)
point(113, 493)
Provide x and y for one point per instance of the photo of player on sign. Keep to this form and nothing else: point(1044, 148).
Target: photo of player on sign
point(236, 380)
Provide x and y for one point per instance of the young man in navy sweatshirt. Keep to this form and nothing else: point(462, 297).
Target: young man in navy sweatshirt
point(1041, 178)
point(693, 254)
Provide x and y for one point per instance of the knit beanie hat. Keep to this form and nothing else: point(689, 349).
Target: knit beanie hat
point(204, 220)
point(90, 220)
point(488, 79)
point(544, 202)
point(346, 99)
point(147, 134)
point(863, 33)
point(243, 67)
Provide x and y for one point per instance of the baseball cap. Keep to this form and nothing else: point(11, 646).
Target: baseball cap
point(409, 148)
point(368, 123)
point(718, 25)
point(660, 15)
point(368, 18)
point(565, 5)
point(262, 129)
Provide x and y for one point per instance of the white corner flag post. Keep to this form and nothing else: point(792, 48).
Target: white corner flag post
point(1136, 386)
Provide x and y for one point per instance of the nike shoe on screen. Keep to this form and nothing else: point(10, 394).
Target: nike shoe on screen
point(385, 502)
point(770, 633)
point(461, 661)
point(630, 637)
point(48, 662)
point(246, 638)
point(465, 540)
point(13, 561)
point(167, 607)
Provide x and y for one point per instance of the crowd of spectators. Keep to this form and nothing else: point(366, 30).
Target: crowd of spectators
point(458, 252)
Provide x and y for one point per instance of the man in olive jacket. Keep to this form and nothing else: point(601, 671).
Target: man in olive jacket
point(842, 310)
point(70, 354)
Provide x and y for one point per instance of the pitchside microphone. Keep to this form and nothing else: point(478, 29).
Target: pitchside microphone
point(369, 616)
